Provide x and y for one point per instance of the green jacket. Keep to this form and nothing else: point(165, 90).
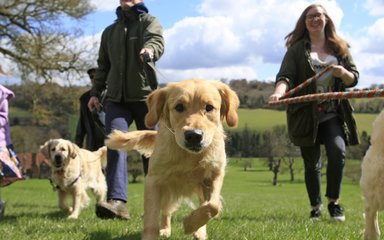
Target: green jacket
point(120, 68)
point(303, 118)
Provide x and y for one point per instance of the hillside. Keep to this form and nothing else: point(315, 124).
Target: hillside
point(258, 119)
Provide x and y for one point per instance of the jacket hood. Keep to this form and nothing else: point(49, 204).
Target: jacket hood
point(136, 10)
point(5, 93)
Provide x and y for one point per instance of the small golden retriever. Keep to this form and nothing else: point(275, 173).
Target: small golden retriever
point(372, 179)
point(74, 170)
point(187, 152)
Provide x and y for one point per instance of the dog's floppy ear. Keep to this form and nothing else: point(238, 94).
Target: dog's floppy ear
point(229, 104)
point(155, 103)
point(44, 149)
point(72, 150)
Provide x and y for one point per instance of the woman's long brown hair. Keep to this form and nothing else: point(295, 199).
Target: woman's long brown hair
point(337, 45)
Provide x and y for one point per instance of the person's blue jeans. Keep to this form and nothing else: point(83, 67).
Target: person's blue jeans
point(120, 116)
point(331, 134)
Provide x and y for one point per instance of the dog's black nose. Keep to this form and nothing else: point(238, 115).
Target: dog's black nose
point(193, 139)
point(58, 160)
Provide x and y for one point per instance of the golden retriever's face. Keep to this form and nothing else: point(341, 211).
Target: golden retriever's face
point(59, 152)
point(193, 110)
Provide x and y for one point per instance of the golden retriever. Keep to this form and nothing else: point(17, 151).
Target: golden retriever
point(187, 152)
point(372, 179)
point(74, 170)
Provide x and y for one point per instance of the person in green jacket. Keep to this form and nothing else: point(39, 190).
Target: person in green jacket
point(123, 72)
point(312, 46)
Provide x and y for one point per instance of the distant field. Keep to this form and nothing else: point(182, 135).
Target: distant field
point(258, 119)
point(261, 119)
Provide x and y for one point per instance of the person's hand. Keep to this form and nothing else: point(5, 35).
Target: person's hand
point(280, 89)
point(338, 71)
point(346, 76)
point(93, 104)
point(147, 51)
point(275, 97)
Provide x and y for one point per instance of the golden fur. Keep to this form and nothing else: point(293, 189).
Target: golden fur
point(187, 153)
point(74, 170)
point(372, 179)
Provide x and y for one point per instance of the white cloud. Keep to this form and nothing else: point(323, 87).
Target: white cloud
point(246, 34)
point(369, 55)
point(376, 37)
point(216, 73)
point(245, 38)
point(102, 5)
point(252, 37)
point(375, 7)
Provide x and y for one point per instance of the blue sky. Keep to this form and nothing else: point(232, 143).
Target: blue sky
point(244, 39)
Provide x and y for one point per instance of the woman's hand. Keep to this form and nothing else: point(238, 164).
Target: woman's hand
point(280, 89)
point(346, 76)
point(275, 97)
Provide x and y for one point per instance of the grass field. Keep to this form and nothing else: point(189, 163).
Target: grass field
point(253, 210)
point(261, 119)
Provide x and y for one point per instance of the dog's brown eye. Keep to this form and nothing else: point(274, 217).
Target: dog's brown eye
point(179, 107)
point(209, 108)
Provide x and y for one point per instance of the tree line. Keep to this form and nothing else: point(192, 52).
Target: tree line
point(47, 109)
point(50, 106)
point(279, 153)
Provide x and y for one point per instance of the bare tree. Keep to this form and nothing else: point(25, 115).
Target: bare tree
point(278, 148)
point(34, 37)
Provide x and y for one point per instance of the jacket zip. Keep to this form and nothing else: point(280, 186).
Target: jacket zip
point(124, 82)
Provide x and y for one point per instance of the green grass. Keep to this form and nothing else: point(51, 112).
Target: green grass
point(261, 119)
point(253, 209)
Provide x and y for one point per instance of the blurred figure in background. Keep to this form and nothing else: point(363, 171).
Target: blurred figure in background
point(87, 126)
point(9, 162)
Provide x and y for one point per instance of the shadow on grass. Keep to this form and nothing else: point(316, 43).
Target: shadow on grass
point(104, 235)
point(253, 170)
point(34, 211)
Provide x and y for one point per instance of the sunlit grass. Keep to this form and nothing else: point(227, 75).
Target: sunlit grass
point(253, 209)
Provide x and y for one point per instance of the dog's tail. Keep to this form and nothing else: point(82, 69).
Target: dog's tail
point(103, 155)
point(141, 141)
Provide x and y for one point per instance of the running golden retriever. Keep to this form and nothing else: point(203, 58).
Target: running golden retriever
point(372, 179)
point(74, 170)
point(187, 153)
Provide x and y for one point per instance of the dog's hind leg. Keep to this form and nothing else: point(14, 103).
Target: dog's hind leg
point(372, 231)
point(101, 191)
point(165, 228)
point(85, 200)
point(151, 209)
point(167, 208)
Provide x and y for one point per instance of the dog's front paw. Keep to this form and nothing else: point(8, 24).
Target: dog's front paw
point(165, 232)
point(73, 216)
point(199, 217)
